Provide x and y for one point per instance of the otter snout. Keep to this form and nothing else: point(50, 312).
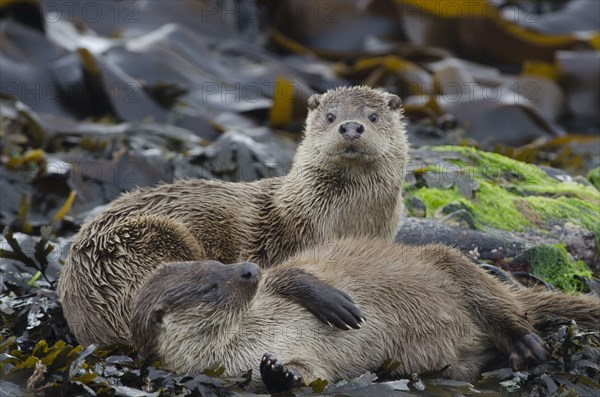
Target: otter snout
point(351, 130)
point(249, 272)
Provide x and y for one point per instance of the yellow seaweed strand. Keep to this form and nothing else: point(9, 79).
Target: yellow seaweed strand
point(281, 112)
point(66, 207)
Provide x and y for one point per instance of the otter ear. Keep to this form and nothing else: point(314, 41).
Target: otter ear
point(314, 101)
point(157, 315)
point(394, 101)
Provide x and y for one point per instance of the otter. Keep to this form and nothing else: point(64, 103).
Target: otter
point(419, 310)
point(346, 180)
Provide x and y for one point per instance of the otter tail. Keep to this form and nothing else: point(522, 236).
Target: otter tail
point(542, 305)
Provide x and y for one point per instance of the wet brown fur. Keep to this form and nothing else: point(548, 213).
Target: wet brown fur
point(326, 195)
point(419, 313)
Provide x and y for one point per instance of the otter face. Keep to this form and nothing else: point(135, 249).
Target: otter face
point(354, 125)
point(191, 297)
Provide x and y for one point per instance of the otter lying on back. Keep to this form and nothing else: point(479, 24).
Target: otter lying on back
point(346, 180)
point(420, 313)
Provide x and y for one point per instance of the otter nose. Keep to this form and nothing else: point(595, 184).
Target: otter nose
point(249, 271)
point(351, 130)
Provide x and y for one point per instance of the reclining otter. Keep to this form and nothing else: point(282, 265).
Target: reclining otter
point(421, 312)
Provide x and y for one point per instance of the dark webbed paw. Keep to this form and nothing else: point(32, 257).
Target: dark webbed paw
point(277, 377)
point(334, 307)
point(529, 349)
point(328, 304)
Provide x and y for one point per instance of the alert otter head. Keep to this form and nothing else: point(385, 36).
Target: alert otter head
point(355, 127)
point(199, 298)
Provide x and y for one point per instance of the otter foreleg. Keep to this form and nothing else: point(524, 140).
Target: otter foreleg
point(328, 304)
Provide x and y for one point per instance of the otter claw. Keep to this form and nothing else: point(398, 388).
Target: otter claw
point(529, 349)
point(278, 377)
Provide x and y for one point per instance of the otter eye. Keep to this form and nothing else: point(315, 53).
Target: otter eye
point(373, 118)
point(330, 117)
point(210, 289)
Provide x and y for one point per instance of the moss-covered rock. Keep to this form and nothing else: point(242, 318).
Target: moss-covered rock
point(539, 205)
point(594, 177)
point(502, 193)
point(555, 265)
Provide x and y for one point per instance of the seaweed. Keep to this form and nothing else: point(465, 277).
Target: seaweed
point(42, 249)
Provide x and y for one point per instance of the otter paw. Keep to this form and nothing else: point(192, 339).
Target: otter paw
point(529, 349)
point(335, 307)
point(277, 377)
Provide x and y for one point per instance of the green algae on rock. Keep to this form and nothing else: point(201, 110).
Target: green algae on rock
point(539, 204)
point(511, 195)
point(594, 177)
point(555, 265)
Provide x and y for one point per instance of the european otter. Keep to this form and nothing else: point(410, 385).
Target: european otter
point(195, 315)
point(345, 181)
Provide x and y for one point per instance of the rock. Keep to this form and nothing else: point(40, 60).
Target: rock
point(461, 218)
point(499, 246)
point(416, 207)
point(495, 208)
